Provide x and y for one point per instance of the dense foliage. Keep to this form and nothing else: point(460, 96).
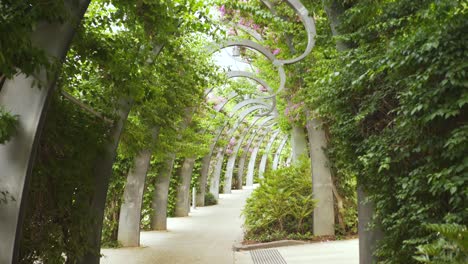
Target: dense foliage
point(57, 208)
point(388, 78)
point(281, 206)
point(395, 103)
point(450, 247)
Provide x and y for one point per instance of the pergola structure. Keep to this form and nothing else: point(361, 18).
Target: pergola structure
point(30, 104)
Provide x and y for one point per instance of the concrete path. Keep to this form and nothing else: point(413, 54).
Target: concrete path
point(334, 252)
point(206, 237)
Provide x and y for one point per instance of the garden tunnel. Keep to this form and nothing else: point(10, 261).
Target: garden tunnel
point(55, 39)
point(252, 122)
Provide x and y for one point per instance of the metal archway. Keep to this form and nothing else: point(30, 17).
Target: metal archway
point(232, 159)
point(263, 162)
point(241, 165)
point(220, 155)
point(253, 158)
point(278, 152)
point(309, 25)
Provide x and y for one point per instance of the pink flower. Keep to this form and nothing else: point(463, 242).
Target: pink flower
point(222, 10)
point(232, 141)
point(255, 27)
point(231, 32)
point(261, 88)
point(276, 51)
point(229, 151)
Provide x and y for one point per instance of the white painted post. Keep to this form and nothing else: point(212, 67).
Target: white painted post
point(194, 198)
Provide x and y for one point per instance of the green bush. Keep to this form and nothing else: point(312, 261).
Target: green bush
point(451, 247)
point(210, 199)
point(281, 206)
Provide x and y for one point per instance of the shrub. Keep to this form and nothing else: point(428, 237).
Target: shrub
point(450, 248)
point(282, 204)
point(210, 199)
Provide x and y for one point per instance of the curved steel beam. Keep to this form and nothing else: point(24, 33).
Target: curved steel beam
point(246, 74)
point(255, 46)
point(22, 98)
point(244, 156)
point(253, 158)
point(242, 116)
point(242, 104)
point(231, 96)
point(309, 25)
point(263, 162)
point(249, 31)
point(278, 152)
point(220, 154)
point(232, 158)
point(288, 161)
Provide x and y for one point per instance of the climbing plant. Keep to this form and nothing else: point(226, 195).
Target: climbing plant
point(395, 104)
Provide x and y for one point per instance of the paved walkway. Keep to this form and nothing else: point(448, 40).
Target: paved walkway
point(334, 252)
point(207, 237)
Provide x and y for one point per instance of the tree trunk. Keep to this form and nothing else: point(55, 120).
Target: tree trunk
point(183, 190)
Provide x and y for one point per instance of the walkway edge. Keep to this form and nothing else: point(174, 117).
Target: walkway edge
point(274, 244)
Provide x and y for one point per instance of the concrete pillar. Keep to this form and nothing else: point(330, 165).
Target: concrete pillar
point(298, 142)
point(241, 165)
point(102, 174)
point(130, 212)
point(19, 97)
point(251, 168)
point(214, 183)
point(288, 161)
point(240, 169)
point(161, 192)
point(200, 196)
point(263, 162)
point(253, 159)
point(183, 190)
point(232, 159)
point(368, 238)
point(324, 212)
